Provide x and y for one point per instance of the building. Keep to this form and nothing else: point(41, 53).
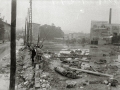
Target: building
point(35, 30)
point(101, 32)
point(115, 29)
point(76, 36)
point(7, 28)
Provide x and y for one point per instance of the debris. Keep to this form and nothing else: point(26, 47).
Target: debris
point(113, 82)
point(114, 67)
point(101, 61)
point(105, 82)
point(93, 69)
point(71, 84)
point(85, 83)
point(67, 73)
point(95, 82)
point(91, 72)
point(81, 87)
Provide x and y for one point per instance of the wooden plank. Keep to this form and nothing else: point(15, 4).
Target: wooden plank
point(73, 56)
point(76, 60)
point(83, 60)
point(91, 72)
point(37, 75)
point(37, 82)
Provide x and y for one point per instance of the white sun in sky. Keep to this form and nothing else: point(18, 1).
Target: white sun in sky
point(82, 11)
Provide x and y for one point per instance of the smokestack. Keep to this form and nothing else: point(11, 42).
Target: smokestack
point(110, 14)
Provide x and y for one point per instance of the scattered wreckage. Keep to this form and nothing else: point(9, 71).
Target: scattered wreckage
point(68, 73)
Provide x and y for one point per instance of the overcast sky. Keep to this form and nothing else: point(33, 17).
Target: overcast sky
point(70, 15)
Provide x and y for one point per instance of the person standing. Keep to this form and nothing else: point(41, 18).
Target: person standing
point(33, 54)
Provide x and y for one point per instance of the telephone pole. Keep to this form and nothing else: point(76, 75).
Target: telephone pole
point(110, 15)
point(25, 31)
point(30, 21)
point(13, 46)
point(28, 28)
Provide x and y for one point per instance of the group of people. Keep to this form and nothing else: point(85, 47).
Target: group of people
point(36, 53)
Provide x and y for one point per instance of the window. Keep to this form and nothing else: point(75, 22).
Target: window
point(102, 26)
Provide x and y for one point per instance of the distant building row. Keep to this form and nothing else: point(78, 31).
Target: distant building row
point(76, 36)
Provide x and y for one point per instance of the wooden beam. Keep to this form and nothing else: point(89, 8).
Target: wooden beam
point(92, 72)
point(73, 56)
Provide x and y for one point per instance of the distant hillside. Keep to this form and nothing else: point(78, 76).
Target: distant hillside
point(50, 32)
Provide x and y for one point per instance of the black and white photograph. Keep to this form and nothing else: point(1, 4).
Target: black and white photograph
point(59, 44)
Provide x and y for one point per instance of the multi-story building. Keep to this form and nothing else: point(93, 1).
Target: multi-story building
point(102, 31)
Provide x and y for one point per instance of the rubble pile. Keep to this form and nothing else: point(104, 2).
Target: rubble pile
point(25, 70)
point(104, 68)
point(73, 69)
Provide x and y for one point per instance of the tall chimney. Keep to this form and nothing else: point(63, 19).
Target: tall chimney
point(110, 14)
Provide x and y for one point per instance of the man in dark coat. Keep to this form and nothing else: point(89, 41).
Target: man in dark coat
point(33, 54)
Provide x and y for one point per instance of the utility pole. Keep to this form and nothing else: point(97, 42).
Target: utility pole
point(110, 15)
point(23, 35)
point(25, 32)
point(38, 39)
point(28, 28)
point(13, 46)
point(30, 21)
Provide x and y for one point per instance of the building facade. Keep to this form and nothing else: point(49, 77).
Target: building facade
point(7, 28)
point(102, 32)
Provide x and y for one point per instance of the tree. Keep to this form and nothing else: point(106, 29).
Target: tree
point(83, 40)
point(50, 32)
point(2, 31)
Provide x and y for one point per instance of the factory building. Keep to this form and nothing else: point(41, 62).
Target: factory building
point(102, 32)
